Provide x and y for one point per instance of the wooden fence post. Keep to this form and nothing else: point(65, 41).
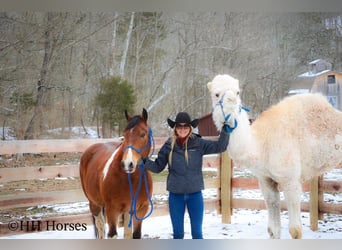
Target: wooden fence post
point(226, 187)
point(313, 204)
point(320, 197)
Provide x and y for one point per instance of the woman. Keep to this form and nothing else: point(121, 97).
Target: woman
point(183, 153)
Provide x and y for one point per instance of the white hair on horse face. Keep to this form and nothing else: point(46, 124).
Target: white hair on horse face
point(128, 162)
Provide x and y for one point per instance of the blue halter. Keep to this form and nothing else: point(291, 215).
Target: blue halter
point(142, 174)
point(229, 129)
point(149, 143)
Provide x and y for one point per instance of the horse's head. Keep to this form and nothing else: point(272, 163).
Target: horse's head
point(225, 95)
point(137, 141)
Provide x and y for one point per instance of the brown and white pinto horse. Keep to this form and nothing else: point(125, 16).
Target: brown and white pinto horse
point(111, 178)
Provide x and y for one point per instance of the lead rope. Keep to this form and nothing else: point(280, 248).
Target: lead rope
point(142, 174)
point(134, 197)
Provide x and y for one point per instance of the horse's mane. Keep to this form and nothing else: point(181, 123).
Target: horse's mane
point(133, 122)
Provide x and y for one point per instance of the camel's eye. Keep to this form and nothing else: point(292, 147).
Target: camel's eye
point(238, 93)
point(217, 95)
point(142, 135)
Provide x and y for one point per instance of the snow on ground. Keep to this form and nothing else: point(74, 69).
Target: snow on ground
point(75, 132)
point(7, 134)
point(245, 223)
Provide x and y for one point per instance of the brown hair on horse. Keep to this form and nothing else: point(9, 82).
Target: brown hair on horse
point(109, 175)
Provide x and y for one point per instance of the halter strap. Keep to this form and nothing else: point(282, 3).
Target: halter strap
point(142, 174)
point(149, 143)
point(229, 129)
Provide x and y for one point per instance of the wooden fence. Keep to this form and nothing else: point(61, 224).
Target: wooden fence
point(224, 183)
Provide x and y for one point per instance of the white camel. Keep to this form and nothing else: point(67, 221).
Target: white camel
point(291, 142)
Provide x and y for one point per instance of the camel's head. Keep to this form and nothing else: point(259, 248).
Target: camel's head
point(225, 95)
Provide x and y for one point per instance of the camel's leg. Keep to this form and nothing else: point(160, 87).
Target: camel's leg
point(270, 191)
point(112, 220)
point(99, 220)
point(292, 192)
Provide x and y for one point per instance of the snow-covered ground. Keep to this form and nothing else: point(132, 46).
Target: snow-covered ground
point(246, 224)
point(8, 133)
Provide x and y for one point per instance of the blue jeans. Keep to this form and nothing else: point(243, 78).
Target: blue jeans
point(194, 204)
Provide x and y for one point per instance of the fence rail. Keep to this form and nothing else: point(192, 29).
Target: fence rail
point(225, 182)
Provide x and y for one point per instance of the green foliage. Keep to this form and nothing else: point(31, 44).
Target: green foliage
point(116, 96)
point(22, 101)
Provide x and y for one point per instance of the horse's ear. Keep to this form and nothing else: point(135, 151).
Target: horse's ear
point(128, 117)
point(144, 114)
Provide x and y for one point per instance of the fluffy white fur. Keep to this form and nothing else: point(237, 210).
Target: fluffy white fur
point(291, 142)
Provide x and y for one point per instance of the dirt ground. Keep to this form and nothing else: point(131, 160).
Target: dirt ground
point(45, 159)
point(31, 186)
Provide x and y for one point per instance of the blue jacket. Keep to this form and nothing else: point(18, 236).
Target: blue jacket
point(183, 177)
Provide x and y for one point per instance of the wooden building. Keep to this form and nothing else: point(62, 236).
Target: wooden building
point(206, 126)
point(329, 84)
point(320, 78)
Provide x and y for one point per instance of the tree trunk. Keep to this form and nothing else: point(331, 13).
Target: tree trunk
point(41, 84)
point(111, 60)
point(128, 38)
point(37, 114)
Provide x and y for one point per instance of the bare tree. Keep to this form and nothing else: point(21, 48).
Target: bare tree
point(127, 42)
point(168, 57)
point(113, 48)
point(52, 37)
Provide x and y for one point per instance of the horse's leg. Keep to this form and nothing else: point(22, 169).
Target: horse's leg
point(292, 192)
point(137, 224)
point(137, 229)
point(270, 191)
point(98, 219)
point(112, 220)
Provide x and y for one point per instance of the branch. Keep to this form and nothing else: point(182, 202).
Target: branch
point(88, 35)
point(158, 100)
